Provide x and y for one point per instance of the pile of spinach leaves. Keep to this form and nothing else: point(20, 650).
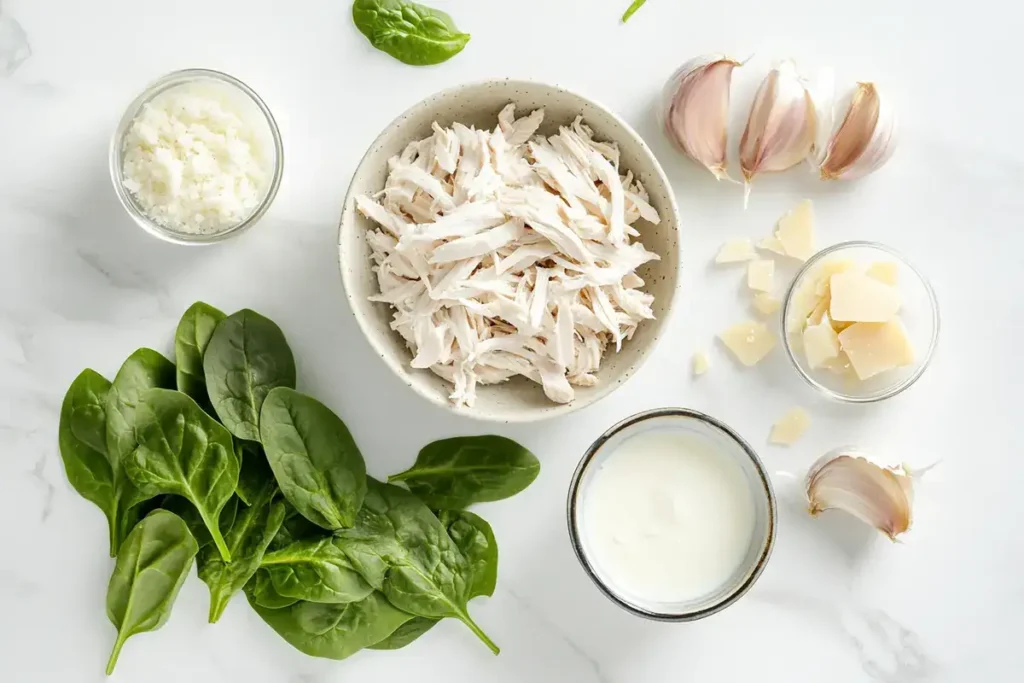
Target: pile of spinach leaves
point(216, 458)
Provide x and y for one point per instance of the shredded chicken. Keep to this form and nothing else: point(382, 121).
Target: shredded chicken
point(506, 253)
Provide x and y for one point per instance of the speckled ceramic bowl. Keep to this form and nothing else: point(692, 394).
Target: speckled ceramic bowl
point(519, 400)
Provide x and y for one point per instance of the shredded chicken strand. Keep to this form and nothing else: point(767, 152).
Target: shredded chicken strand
point(505, 253)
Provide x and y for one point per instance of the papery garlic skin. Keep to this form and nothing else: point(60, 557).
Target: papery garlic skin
point(848, 480)
point(695, 107)
point(782, 126)
point(864, 140)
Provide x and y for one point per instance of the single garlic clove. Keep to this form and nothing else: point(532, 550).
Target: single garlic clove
point(694, 110)
point(782, 126)
point(864, 140)
point(876, 495)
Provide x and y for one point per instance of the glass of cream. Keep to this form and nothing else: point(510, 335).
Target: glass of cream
point(672, 515)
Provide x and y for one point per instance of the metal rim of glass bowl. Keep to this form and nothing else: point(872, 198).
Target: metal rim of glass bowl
point(160, 85)
point(907, 381)
point(727, 599)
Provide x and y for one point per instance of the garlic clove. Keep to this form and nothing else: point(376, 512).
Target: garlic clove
point(879, 496)
point(864, 140)
point(695, 107)
point(782, 126)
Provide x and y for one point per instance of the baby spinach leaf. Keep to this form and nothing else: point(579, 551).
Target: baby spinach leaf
point(247, 539)
point(315, 460)
point(334, 631)
point(184, 451)
point(295, 528)
point(150, 569)
point(406, 634)
point(144, 369)
point(475, 538)
point(246, 358)
point(260, 590)
point(196, 526)
point(315, 570)
point(254, 473)
point(190, 341)
point(83, 447)
point(452, 474)
point(402, 550)
point(409, 32)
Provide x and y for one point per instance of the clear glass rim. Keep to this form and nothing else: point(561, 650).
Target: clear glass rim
point(158, 86)
point(753, 572)
point(898, 387)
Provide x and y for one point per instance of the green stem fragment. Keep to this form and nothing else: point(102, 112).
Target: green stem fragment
point(637, 4)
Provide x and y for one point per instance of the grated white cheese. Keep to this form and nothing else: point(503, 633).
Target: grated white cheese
point(193, 162)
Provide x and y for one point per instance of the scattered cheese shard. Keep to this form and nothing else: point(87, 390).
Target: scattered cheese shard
point(885, 271)
point(862, 299)
point(796, 231)
point(700, 363)
point(790, 427)
point(736, 251)
point(748, 341)
point(772, 243)
point(766, 304)
point(761, 275)
point(874, 348)
point(821, 344)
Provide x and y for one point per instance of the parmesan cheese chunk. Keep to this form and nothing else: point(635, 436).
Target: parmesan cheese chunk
point(748, 341)
point(736, 251)
point(855, 297)
point(761, 275)
point(765, 303)
point(821, 344)
point(790, 427)
point(796, 231)
point(700, 363)
point(193, 162)
point(773, 244)
point(874, 348)
point(885, 271)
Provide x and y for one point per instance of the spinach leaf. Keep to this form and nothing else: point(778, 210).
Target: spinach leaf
point(246, 358)
point(254, 471)
point(317, 571)
point(406, 634)
point(475, 538)
point(190, 341)
point(409, 32)
point(402, 550)
point(184, 451)
point(295, 528)
point(334, 631)
point(196, 526)
point(83, 447)
point(260, 590)
point(247, 539)
point(145, 369)
point(315, 460)
point(452, 474)
point(150, 569)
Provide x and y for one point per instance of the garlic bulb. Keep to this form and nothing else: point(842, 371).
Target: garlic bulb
point(876, 495)
point(864, 140)
point(782, 125)
point(695, 107)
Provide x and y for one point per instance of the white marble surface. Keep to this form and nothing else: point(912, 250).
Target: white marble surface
point(83, 287)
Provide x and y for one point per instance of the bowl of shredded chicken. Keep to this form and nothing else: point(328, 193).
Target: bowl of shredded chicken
point(510, 249)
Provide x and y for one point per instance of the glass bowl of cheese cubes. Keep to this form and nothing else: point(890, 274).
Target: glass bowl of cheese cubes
point(860, 323)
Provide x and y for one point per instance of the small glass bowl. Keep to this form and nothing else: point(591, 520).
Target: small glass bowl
point(729, 443)
point(919, 314)
point(253, 109)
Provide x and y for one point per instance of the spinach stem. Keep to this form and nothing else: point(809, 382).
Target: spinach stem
point(112, 662)
point(637, 4)
point(465, 618)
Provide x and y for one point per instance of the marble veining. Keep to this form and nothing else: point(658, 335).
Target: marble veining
point(82, 286)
